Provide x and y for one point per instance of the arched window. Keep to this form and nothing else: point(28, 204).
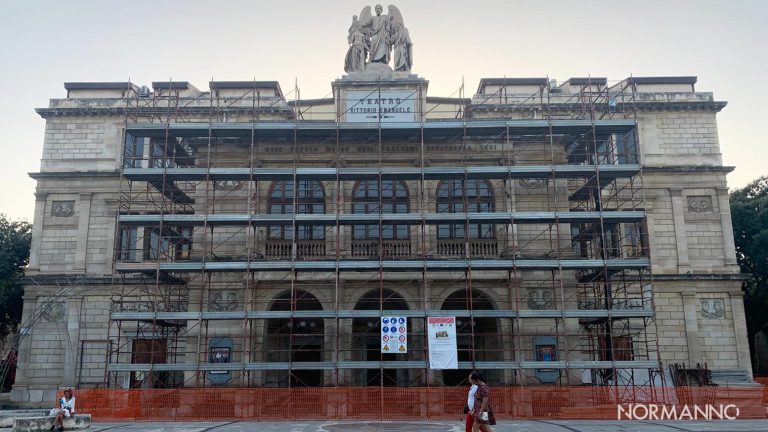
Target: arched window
point(368, 198)
point(310, 200)
point(459, 196)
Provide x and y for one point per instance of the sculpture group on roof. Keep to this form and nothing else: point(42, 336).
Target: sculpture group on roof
point(377, 39)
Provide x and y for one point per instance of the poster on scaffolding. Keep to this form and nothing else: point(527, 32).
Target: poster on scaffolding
point(394, 335)
point(442, 343)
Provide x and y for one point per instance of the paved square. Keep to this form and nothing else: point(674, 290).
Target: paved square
point(438, 426)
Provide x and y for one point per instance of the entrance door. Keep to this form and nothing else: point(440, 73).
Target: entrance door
point(306, 377)
point(374, 377)
point(145, 351)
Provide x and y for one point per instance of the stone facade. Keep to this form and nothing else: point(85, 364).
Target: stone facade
point(84, 266)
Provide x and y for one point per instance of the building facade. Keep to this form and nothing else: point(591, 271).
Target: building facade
point(579, 233)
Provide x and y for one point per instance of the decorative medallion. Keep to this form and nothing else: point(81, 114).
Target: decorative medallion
point(713, 309)
point(63, 208)
point(52, 312)
point(541, 299)
point(228, 185)
point(700, 203)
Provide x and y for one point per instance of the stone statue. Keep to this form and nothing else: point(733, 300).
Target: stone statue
point(381, 33)
point(401, 42)
point(358, 48)
point(377, 28)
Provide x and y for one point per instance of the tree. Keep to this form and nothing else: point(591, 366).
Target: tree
point(15, 237)
point(749, 211)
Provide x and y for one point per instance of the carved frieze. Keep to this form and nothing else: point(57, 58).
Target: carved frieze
point(541, 299)
point(713, 308)
point(222, 301)
point(62, 208)
point(533, 183)
point(52, 312)
point(700, 203)
point(228, 185)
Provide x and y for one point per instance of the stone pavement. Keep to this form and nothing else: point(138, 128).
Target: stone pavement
point(440, 426)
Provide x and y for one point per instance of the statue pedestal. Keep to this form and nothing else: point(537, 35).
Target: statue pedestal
point(379, 94)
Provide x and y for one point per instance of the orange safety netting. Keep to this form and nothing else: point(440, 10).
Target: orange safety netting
point(396, 403)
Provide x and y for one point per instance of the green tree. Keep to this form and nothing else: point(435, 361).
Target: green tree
point(749, 211)
point(15, 237)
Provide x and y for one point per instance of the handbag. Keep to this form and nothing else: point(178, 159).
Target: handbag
point(52, 412)
point(484, 416)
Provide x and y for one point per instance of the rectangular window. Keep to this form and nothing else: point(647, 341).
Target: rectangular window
point(155, 246)
point(128, 243)
point(133, 152)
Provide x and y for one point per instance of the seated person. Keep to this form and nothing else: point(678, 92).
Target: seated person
point(66, 408)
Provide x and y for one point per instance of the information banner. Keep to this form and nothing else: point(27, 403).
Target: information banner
point(394, 335)
point(391, 106)
point(442, 343)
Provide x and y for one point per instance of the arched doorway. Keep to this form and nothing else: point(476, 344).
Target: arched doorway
point(295, 340)
point(366, 343)
point(476, 338)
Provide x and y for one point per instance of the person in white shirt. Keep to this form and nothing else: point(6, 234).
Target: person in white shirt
point(66, 408)
point(470, 406)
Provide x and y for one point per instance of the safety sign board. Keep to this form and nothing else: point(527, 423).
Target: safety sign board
point(394, 334)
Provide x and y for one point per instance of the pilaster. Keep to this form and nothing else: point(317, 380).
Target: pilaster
point(84, 207)
point(678, 209)
point(691, 328)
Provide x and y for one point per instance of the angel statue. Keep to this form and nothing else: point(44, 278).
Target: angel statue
point(377, 29)
point(382, 33)
point(401, 42)
point(358, 48)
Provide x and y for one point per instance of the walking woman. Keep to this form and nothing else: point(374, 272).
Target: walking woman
point(482, 412)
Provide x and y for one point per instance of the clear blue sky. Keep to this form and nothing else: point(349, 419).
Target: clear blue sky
point(45, 43)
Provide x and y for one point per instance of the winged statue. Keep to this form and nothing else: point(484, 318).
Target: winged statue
point(378, 38)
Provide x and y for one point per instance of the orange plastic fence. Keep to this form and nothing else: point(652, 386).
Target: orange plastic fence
point(393, 403)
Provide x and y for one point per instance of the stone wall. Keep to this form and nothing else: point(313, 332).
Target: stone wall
point(700, 316)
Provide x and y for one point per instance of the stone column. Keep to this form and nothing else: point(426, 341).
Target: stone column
point(330, 348)
point(344, 331)
point(20, 392)
point(508, 355)
point(73, 341)
point(725, 220)
point(37, 230)
point(84, 207)
point(740, 327)
point(692, 328)
point(678, 209)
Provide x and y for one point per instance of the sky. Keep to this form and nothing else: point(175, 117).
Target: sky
point(46, 43)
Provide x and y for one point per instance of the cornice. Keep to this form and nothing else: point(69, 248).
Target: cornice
point(687, 169)
point(158, 112)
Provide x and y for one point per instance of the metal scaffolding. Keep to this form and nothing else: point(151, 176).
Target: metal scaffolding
point(261, 241)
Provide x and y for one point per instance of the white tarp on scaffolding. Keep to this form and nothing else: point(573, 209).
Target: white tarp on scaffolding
point(442, 343)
